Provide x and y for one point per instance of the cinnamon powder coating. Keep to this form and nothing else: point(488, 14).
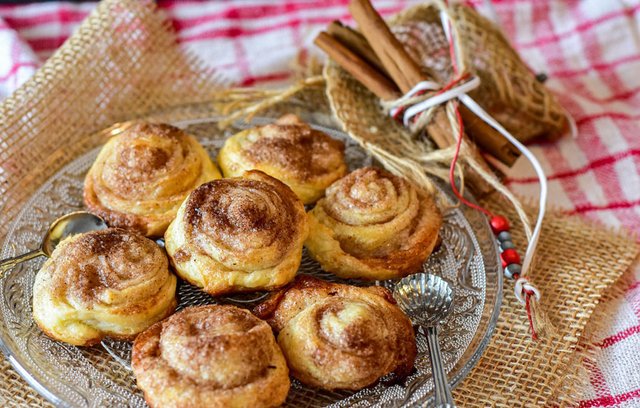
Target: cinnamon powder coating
point(138, 160)
point(373, 225)
point(109, 283)
point(338, 336)
point(100, 261)
point(303, 152)
point(238, 234)
point(210, 356)
point(366, 193)
point(305, 159)
point(238, 210)
point(142, 175)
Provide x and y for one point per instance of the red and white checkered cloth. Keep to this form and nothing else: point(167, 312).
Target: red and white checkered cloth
point(589, 49)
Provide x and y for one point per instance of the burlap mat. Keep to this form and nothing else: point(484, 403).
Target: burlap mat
point(576, 264)
point(123, 62)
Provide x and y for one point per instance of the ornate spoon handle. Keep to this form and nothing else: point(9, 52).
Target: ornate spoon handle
point(442, 393)
point(7, 264)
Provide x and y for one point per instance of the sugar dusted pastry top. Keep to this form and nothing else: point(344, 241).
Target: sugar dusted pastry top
point(142, 175)
point(210, 356)
point(109, 283)
point(340, 336)
point(305, 159)
point(238, 234)
point(373, 225)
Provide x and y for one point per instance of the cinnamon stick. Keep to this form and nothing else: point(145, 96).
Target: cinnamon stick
point(356, 43)
point(372, 79)
point(404, 71)
point(478, 129)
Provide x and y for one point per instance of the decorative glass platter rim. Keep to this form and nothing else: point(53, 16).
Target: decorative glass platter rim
point(17, 361)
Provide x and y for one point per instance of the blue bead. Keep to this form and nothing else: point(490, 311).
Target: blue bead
point(506, 245)
point(511, 270)
point(504, 236)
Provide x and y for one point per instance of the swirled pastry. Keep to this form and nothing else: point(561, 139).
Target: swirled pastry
point(109, 283)
point(373, 225)
point(238, 234)
point(210, 356)
point(142, 175)
point(303, 158)
point(339, 336)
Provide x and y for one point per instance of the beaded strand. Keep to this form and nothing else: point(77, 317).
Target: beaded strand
point(508, 254)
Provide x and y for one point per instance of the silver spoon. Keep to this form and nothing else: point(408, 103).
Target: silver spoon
point(427, 299)
point(64, 227)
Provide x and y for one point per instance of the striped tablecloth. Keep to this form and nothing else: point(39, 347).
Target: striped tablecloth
point(590, 50)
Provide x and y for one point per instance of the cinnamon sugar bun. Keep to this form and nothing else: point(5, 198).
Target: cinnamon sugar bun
point(142, 175)
point(109, 283)
point(238, 234)
point(210, 356)
point(337, 336)
point(303, 158)
point(373, 225)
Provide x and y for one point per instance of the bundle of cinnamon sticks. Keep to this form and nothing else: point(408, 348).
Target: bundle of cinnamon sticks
point(380, 62)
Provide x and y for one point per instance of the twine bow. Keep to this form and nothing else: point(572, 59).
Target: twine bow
point(421, 102)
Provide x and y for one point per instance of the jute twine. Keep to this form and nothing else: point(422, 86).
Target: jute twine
point(123, 63)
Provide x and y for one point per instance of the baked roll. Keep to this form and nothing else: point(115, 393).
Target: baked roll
point(337, 336)
point(142, 175)
point(108, 283)
point(303, 158)
point(373, 225)
point(238, 234)
point(210, 356)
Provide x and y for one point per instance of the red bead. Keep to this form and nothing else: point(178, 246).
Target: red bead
point(509, 256)
point(499, 224)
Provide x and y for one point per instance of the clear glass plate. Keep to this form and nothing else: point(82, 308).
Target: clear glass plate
point(100, 376)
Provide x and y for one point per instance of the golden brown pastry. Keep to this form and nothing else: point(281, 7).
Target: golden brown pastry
point(238, 234)
point(210, 356)
point(373, 225)
point(142, 175)
point(303, 158)
point(109, 283)
point(337, 336)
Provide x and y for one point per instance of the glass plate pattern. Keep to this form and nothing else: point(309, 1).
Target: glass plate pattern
point(100, 376)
